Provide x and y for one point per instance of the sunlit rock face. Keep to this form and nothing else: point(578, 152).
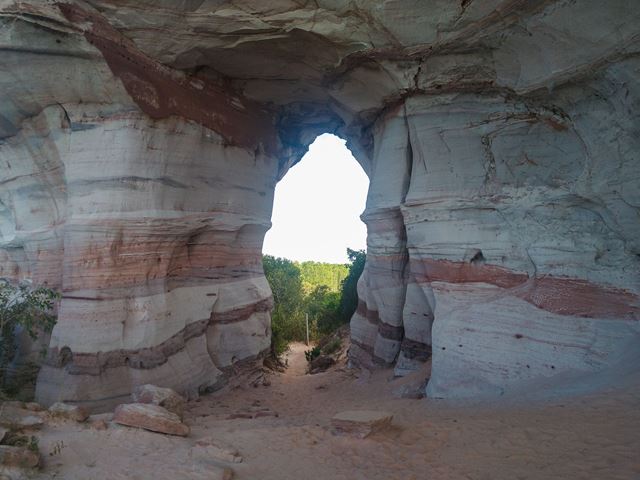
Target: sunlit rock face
point(140, 143)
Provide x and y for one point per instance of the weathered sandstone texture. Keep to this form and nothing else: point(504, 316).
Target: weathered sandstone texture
point(163, 397)
point(20, 457)
point(150, 417)
point(360, 423)
point(140, 143)
point(70, 412)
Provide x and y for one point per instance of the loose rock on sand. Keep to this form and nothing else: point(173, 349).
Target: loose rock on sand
point(12, 416)
point(150, 417)
point(20, 457)
point(71, 412)
point(360, 423)
point(163, 397)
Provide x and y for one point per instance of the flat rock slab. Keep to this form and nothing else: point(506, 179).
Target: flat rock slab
point(70, 412)
point(164, 397)
point(212, 449)
point(18, 457)
point(150, 417)
point(15, 417)
point(34, 407)
point(360, 423)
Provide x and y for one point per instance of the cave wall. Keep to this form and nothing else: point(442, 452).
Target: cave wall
point(140, 144)
point(501, 215)
point(151, 225)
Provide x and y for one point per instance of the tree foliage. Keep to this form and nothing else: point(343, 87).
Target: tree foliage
point(323, 307)
point(26, 307)
point(287, 317)
point(329, 275)
point(326, 292)
point(349, 288)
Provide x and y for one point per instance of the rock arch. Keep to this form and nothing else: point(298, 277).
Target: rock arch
point(141, 143)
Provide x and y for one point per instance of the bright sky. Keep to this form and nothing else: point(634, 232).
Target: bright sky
point(317, 207)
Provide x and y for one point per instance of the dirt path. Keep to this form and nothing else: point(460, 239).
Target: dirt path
point(296, 361)
point(579, 438)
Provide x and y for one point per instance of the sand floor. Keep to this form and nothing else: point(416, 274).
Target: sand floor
point(594, 437)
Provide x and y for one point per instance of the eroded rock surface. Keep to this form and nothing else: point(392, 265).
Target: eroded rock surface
point(20, 457)
point(140, 143)
point(360, 423)
point(70, 412)
point(164, 397)
point(150, 417)
point(14, 417)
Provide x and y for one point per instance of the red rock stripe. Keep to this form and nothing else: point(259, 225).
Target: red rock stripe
point(561, 295)
point(161, 92)
point(120, 264)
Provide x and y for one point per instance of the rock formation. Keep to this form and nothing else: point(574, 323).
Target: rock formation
point(140, 143)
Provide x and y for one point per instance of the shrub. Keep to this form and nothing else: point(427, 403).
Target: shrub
point(312, 354)
point(287, 318)
point(26, 307)
point(295, 294)
point(349, 288)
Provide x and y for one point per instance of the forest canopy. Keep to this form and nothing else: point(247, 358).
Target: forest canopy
point(326, 292)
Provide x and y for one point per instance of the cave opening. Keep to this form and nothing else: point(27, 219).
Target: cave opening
point(315, 250)
point(317, 205)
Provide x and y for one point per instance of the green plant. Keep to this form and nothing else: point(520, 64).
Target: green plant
point(25, 307)
point(287, 318)
point(323, 307)
point(326, 292)
point(312, 354)
point(349, 288)
point(315, 274)
point(33, 444)
point(332, 347)
point(17, 440)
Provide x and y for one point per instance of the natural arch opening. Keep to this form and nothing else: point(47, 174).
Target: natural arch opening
point(317, 205)
point(315, 250)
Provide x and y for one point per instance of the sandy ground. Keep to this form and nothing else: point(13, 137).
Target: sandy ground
point(590, 437)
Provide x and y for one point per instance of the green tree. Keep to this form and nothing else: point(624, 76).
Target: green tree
point(287, 317)
point(319, 273)
point(349, 289)
point(29, 308)
point(326, 292)
point(323, 307)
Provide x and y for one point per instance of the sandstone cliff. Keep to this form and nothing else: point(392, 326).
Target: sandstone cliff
point(140, 143)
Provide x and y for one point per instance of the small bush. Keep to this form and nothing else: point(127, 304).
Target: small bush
point(29, 308)
point(279, 340)
point(17, 440)
point(312, 354)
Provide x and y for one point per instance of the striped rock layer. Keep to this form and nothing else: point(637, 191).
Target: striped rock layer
point(141, 142)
